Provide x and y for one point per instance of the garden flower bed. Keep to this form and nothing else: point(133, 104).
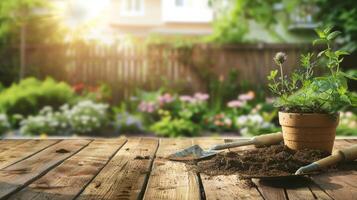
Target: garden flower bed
point(84, 111)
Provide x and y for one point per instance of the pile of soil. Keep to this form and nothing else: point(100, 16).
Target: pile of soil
point(276, 160)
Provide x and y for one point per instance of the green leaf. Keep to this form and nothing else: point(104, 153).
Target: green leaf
point(343, 82)
point(319, 41)
point(341, 53)
point(345, 99)
point(320, 54)
point(333, 35)
point(328, 29)
point(353, 99)
point(320, 33)
point(273, 74)
point(350, 76)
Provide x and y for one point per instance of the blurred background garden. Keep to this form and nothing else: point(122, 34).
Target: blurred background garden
point(167, 68)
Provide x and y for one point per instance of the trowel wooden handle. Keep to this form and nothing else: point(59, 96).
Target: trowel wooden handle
point(258, 141)
point(347, 154)
point(231, 145)
point(350, 153)
point(330, 160)
point(267, 139)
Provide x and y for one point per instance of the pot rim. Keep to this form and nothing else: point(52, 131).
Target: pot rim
point(309, 114)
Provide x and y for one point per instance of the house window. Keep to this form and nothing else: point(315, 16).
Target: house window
point(179, 3)
point(132, 7)
point(183, 3)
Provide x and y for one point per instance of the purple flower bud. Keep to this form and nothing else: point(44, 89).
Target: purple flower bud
point(280, 58)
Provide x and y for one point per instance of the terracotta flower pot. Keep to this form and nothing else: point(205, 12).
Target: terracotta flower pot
point(305, 130)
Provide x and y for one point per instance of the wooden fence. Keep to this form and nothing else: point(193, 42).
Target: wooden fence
point(126, 68)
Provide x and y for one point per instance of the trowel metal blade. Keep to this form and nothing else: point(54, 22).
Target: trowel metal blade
point(194, 152)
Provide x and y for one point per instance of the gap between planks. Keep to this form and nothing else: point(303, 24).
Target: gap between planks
point(21, 174)
point(125, 175)
point(23, 151)
point(69, 179)
point(170, 179)
point(340, 184)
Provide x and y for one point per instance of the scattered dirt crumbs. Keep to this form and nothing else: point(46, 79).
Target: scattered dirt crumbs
point(276, 160)
point(62, 151)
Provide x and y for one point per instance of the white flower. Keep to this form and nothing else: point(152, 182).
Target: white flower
point(244, 131)
point(349, 114)
point(241, 120)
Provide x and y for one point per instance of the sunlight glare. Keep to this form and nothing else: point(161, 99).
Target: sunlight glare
point(83, 17)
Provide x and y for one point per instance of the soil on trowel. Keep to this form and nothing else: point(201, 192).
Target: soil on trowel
point(276, 160)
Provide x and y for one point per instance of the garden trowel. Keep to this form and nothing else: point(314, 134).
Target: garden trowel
point(195, 152)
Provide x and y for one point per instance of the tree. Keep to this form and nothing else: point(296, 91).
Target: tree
point(17, 19)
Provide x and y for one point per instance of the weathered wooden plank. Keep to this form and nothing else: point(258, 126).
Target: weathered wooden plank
point(169, 179)
point(299, 191)
point(351, 141)
point(225, 187)
point(318, 193)
point(341, 184)
point(15, 177)
point(125, 176)
point(68, 179)
point(23, 150)
point(269, 191)
point(228, 187)
point(8, 144)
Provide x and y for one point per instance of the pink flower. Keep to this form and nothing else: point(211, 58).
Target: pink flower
point(235, 104)
point(186, 98)
point(269, 100)
point(148, 107)
point(228, 122)
point(164, 99)
point(201, 96)
point(247, 96)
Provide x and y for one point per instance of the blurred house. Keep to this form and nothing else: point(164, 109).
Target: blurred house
point(168, 17)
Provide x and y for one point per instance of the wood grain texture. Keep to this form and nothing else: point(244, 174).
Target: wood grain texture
point(269, 191)
point(318, 193)
point(23, 150)
point(98, 170)
point(124, 177)
point(68, 179)
point(170, 179)
point(225, 187)
point(17, 176)
point(341, 184)
point(300, 192)
point(8, 144)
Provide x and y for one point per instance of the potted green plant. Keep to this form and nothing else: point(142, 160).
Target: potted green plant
point(308, 104)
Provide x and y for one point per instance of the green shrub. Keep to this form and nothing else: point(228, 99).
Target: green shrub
point(169, 127)
point(31, 94)
point(348, 124)
point(85, 117)
point(47, 122)
point(4, 123)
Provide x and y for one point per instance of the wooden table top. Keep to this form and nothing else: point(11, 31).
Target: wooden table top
point(136, 168)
